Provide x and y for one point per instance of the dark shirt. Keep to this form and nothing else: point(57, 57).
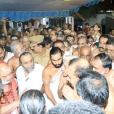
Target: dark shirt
point(7, 49)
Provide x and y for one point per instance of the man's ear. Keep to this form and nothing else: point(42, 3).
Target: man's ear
point(106, 70)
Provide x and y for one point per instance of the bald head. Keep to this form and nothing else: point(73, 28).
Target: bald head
point(85, 52)
point(79, 65)
point(5, 73)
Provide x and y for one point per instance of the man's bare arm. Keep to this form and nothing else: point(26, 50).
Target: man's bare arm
point(46, 82)
point(11, 67)
point(4, 26)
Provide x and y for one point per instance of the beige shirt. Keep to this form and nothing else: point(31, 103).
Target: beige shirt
point(42, 60)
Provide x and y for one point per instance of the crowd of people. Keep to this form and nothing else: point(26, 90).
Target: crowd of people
point(56, 70)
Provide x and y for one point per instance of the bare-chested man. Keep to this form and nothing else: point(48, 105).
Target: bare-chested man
point(102, 45)
point(17, 48)
point(51, 75)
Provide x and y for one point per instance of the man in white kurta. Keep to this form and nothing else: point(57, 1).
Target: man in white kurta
point(33, 80)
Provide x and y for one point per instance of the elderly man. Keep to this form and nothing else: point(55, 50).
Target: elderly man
point(51, 75)
point(103, 65)
point(17, 48)
point(72, 74)
point(29, 74)
point(40, 53)
point(76, 107)
point(93, 87)
point(85, 52)
point(26, 43)
point(9, 100)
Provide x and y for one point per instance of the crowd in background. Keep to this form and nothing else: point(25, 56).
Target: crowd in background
point(56, 70)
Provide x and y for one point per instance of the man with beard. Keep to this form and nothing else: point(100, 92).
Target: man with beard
point(29, 74)
point(8, 89)
point(4, 55)
point(17, 48)
point(51, 76)
point(102, 45)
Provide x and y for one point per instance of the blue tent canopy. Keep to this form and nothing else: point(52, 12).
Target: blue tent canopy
point(26, 15)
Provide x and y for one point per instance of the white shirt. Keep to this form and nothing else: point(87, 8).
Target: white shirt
point(9, 55)
point(112, 65)
point(32, 81)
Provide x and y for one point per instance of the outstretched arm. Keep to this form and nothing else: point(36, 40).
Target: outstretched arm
point(4, 26)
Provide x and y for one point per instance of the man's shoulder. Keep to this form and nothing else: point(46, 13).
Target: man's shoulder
point(37, 66)
point(12, 59)
point(19, 69)
point(49, 67)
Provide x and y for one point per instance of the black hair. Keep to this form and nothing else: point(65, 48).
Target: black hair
point(86, 23)
point(24, 54)
point(93, 88)
point(47, 40)
point(55, 32)
point(2, 47)
point(70, 36)
point(32, 102)
point(69, 45)
point(55, 50)
point(90, 37)
point(14, 36)
point(110, 41)
point(106, 60)
point(104, 36)
point(42, 44)
point(57, 41)
point(80, 32)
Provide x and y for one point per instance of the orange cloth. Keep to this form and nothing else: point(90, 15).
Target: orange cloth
point(14, 86)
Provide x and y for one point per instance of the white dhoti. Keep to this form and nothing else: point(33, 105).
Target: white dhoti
point(54, 89)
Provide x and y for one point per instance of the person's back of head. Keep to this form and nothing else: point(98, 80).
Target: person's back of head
point(76, 107)
point(93, 87)
point(32, 102)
